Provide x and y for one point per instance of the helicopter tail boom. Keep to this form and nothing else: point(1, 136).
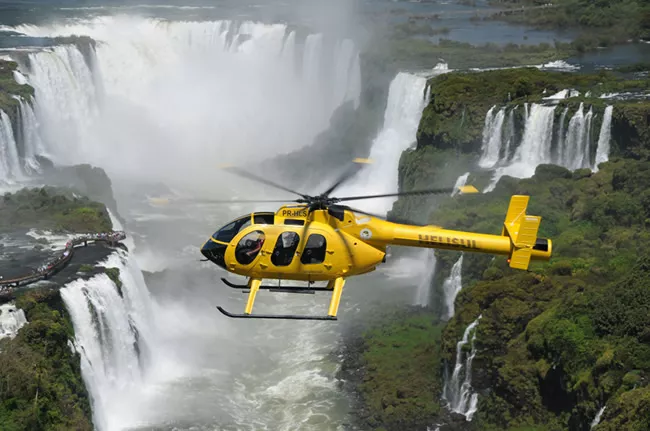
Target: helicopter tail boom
point(518, 239)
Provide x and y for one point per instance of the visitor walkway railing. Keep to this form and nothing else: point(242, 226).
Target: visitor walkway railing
point(59, 262)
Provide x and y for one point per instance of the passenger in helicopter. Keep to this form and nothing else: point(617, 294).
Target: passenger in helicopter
point(249, 246)
point(255, 246)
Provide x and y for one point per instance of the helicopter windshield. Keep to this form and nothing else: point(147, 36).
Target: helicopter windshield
point(228, 232)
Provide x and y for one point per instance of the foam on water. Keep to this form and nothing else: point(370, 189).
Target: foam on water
point(11, 320)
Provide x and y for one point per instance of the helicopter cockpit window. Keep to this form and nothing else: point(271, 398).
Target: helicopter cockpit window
point(228, 232)
point(285, 248)
point(249, 247)
point(264, 218)
point(314, 250)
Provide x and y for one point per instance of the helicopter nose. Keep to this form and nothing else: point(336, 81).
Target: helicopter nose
point(214, 252)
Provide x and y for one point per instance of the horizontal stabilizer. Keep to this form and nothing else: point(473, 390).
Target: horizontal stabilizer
point(528, 231)
point(520, 259)
point(467, 189)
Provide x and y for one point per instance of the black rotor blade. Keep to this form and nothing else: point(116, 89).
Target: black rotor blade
point(213, 201)
point(392, 219)
point(446, 190)
point(349, 173)
point(253, 177)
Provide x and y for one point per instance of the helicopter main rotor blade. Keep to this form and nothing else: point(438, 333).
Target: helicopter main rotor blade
point(213, 201)
point(446, 190)
point(356, 166)
point(253, 177)
point(391, 219)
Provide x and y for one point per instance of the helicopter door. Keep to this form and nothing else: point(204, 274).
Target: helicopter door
point(314, 257)
point(285, 248)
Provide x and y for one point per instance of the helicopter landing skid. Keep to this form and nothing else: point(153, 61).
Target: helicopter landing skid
point(255, 284)
point(279, 289)
point(274, 316)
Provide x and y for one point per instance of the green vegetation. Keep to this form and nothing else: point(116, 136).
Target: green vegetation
point(455, 117)
point(9, 86)
point(409, 53)
point(401, 379)
point(54, 209)
point(40, 379)
point(557, 342)
point(86, 268)
point(635, 67)
point(602, 23)
point(114, 275)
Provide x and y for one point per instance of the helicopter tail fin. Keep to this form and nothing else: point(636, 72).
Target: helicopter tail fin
point(522, 230)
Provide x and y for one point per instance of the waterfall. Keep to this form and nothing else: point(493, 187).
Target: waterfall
point(560, 137)
point(452, 285)
point(535, 147)
point(491, 143)
point(9, 160)
point(586, 140)
point(113, 334)
point(30, 137)
point(571, 146)
point(536, 143)
point(576, 152)
point(422, 292)
point(192, 93)
point(457, 391)
point(599, 415)
point(492, 140)
point(602, 150)
point(460, 182)
point(509, 135)
point(11, 320)
point(407, 96)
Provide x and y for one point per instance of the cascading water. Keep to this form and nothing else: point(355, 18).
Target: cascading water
point(599, 415)
point(160, 99)
point(114, 336)
point(542, 142)
point(576, 151)
point(509, 135)
point(424, 287)
point(492, 137)
point(602, 151)
point(9, 161)
point(457, 390)
point(451, 286)
point(460, 182)
point(186, 94)
point(560, 137)
point(407, 97)
point(535, 147)
point(30, 137)
point(11, 320)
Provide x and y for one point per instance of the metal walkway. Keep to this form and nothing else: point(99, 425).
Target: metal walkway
point(59, 262)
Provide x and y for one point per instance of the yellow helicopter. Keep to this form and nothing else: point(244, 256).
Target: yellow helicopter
point(318, 239)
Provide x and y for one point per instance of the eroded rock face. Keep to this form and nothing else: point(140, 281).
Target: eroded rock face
point(87, 180)
point(38, 357)
point(455, 118)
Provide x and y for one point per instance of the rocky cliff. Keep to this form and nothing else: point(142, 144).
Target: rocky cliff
point(41, 386)
point(557, 343)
